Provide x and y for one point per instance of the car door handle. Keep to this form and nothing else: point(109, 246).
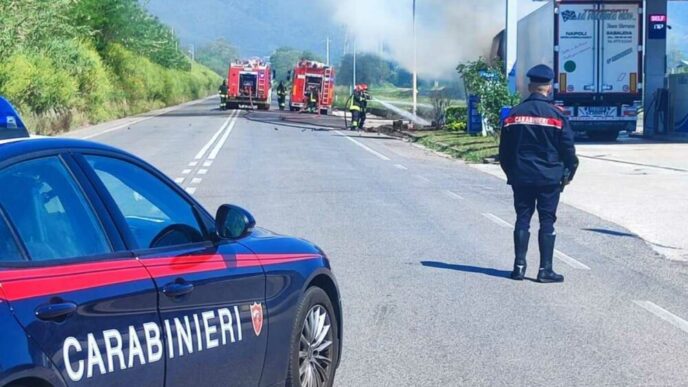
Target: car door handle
point(177, 289)
point(52, 312)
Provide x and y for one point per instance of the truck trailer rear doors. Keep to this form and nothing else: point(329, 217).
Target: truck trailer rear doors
point(597, 47)
point(576, 44)
point(621, 50)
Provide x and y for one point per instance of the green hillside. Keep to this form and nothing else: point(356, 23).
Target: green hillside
point(72, 62)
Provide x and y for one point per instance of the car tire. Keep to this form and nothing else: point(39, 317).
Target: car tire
point(312, 357)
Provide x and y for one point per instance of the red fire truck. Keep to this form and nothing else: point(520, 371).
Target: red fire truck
point(250, 85)
point(310, 74)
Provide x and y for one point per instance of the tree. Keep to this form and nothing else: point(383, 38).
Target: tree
point(128, 23)
point(489, 83)
point(284, 59)
point(217, 55)
point(370, 69)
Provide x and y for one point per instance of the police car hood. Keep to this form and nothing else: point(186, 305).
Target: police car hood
point(263, 241)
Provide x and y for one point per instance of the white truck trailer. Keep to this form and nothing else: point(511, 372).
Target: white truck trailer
point(596, 51)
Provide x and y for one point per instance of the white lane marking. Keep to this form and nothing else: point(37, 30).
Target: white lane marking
point(117, 127)
point(453, 195)
point(570, 261)
point(193, 163)
point(207, 163)
point(496, 219)
point(376, 153)
point(190, 190)
point(403, 168)
point(425, 179)
point(179, 180)
point(186, 172)
point(217, 134)
point(223, 140)
point(164, 111)
point(196, 181)
point(663, 314)
point(202, 171)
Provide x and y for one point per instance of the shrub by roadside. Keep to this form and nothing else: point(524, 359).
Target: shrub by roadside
point(74, 85)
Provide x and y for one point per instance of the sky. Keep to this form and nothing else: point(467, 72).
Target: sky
point(449, 31)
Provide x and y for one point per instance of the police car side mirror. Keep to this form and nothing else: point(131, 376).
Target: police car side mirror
point(233, 222)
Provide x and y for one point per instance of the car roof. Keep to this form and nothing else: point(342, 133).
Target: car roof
point(22, 146)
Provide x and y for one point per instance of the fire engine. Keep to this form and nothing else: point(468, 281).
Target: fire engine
point(311, 74)
point(250, 85)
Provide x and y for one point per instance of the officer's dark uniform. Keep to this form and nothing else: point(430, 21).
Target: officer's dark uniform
point(538, 155)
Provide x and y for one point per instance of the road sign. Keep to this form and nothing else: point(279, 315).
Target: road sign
point(657, 27)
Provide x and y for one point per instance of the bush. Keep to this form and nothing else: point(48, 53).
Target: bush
point(33, 83)
point(457, 113)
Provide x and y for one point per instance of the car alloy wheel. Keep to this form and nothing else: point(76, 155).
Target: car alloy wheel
point(316, 350)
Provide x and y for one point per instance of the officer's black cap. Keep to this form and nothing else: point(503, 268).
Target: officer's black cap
point(541, 74)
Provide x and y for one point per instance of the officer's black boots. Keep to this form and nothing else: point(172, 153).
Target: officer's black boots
point(546, 274)
point(521, 238)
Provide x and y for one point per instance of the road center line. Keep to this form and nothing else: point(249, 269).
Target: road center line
point(496, 219)
point(664, 314)
point(376, 153)
point(217, 134)
point(190, 190)
point(196, 180)
point(223, 140)
point(186, 172)
point(202, 171)
point(179, 180)
point(570, 261)
point(403, 168)
point(207, 163)
point(453, 195)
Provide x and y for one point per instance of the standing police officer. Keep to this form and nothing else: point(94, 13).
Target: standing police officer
point(538, 155)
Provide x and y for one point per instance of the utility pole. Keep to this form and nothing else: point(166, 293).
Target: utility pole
point(415, 63)
point(328, 50)
point(354, 69)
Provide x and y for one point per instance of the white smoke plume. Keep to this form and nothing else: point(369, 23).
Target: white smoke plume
point(448, 31)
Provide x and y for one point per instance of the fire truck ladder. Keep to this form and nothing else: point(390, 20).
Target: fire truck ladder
point(327, 77)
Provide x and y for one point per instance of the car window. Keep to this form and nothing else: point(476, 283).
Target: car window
point(156, 214)
point(50, 212)
point(9, 251)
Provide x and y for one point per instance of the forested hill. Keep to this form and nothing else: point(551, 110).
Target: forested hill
point(256, 28)
point(71, 62)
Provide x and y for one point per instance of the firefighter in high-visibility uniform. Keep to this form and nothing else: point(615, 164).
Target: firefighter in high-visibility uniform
point(364, 98)
point(281, 95)
point(222, 91)
point(355, 108)
point(312, 99)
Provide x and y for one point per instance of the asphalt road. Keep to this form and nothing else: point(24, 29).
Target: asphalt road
point(421, 246)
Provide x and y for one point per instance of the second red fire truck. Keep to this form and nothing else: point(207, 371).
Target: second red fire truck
point(311, 75)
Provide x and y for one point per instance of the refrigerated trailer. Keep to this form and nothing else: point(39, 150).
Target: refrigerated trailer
point(596, 51)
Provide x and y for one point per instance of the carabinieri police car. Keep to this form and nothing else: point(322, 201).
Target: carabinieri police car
point(112, 275)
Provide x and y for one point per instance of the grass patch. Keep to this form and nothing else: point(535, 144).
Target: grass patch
point(473, 149)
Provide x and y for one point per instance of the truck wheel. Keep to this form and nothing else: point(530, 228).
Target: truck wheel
point(324, 112)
